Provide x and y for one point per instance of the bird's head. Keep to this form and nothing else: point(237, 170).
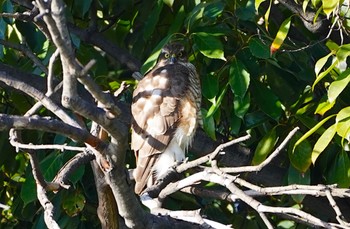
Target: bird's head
point(172, 53)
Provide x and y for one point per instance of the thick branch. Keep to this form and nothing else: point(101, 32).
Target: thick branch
point(36, 123)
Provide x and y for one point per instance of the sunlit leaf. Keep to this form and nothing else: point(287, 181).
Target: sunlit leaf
point(343, 114)
point(265, 146)
point(324, 105)
point(267, 15)
point(320, 63)
point(324, 73)
point(217, 104)
point(305, 3)
point(281, 35)
point(331, 45)
point(343, 123)
point(169, 3)
point(338, 85)
point(329, 5)
point(312, 130)
point(239, 78)
point(210, 46)
point(323, 142)
point(315, 3)
point(257, 4)
point(343, 52)
point(194, 15)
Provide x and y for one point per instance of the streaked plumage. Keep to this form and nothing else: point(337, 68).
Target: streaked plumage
point(165, 109)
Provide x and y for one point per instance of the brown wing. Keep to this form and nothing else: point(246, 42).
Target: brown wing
point(155, 111)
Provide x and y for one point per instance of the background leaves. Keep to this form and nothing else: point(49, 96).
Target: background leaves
point(304, 83)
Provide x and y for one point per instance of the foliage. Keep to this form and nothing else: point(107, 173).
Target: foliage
point(262, 72)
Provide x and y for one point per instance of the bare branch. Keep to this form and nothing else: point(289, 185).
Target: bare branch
point(41, 193)
point(190, 164)
point(34, 123)
point(265, 162)
point(70, 166)
point(33, 92)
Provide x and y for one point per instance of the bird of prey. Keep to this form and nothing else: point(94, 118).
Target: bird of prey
point(165, 115)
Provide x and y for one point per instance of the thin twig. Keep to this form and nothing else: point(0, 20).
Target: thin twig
point(266, 161)
point(191, 164)
point(41, 194)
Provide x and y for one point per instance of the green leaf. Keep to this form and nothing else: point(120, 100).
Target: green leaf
point(323, 106)
point(210, 85)
point(28, 189)
point(255, 119)
point(267, 15)
point(305, 3)
point(343, 123)
point(195, 15)
point(265, 146)
point(266, 100)
point(7, 7)
point(300, 155)
point(208, 124)
point(214, 9)
point(331, 45)
point(235, 124)
point(169, 3)
point(338, 85)
point(82, 7)
point(323, 142)
point(210, 46)
point(329, 5)
point(258, 49)
point(239, 78)
point(241, 105)
point(312, 130)
point(343, 52)
point(321, 62)
point(339, 172)
point(177, 24)
point(315, 2)
point(281, 35)
point(324, 73)
point(34, 38)
point(343, 114)
point(257, 4)
point(217, 103)
point(296, 177)
point(152, 59)
point(73, 203)
point(152, 20)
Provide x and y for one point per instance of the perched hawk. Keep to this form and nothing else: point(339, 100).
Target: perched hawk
point(165, 110)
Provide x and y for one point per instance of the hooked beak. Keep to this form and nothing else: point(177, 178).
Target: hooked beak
point(172, 59)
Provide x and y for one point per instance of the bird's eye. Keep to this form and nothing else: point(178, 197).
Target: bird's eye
point(179, 54)
point(167, 55)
